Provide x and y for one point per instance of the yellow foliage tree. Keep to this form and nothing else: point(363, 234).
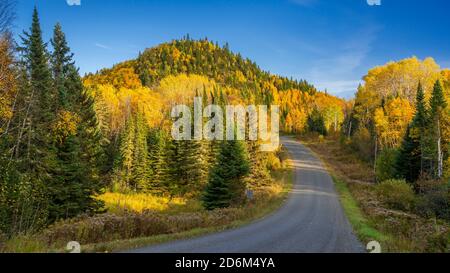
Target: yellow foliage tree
point(392, 120)
point(183, 88)
point(401, 78)
point(7, 81)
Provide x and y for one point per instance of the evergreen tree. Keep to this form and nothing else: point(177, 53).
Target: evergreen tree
point(316, 122)
point(61, 60)
point(78, 153)
point(408, 162)
point(411, 160)
point(225, 182)
point(438, 106)
point(124, 164)
point(41, 111)
point(34, 153)
point(141, 157)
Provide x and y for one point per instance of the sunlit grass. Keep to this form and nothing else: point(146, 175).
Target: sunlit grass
point(139, 202)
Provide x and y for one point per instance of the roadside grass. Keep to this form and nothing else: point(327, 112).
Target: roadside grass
point(397, 231)
point(133, 223)
point(362, 226)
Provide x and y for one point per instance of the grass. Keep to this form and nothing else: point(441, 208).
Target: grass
point(140, 202)
point(358, 220)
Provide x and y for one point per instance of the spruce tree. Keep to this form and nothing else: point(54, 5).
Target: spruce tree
point(438, 106)
point(420, 123)
point(61, 62)
point(408, 162)
point(78, 154)
point(226, 178)
point(41, 112)
point(124, 164)
point(411, 160)
point(141, 157)
point(33, 150)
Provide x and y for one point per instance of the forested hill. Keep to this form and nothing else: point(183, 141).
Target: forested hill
point(182, 67)
point(201, 57)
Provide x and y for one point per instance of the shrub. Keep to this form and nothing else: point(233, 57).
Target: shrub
point(434, 200)
point(109, 227)
point(273, 162)
point(386, 165)
point(362, 143)
point(396, 194)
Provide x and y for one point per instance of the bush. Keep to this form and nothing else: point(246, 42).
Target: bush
point(363, 144)
point(273, 162)
point(434, 200)
point(396, 194)
point(109, 227)
point(386, 165)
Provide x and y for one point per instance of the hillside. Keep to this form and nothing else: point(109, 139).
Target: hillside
point(229, 73)
point(200, 57)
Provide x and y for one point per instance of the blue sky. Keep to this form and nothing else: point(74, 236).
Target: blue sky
point(331, 43)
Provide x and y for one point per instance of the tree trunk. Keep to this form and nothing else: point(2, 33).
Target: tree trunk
point(440, 155)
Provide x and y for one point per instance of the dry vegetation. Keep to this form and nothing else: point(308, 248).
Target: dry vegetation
point(398, 231)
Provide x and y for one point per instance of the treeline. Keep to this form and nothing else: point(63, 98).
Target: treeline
point(400, 121)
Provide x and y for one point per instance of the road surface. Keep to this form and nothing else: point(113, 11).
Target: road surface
point(311, 221)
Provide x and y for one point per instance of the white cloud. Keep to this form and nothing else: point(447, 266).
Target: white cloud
point(73, 2)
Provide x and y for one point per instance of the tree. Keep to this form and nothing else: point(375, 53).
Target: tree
point(408, 158)
point(410, 163)
point(225, 182)
point(38, 151)
point(316, 122)
point(8, 84)
point(438, 106)
point(77, 139)
point(62, 62)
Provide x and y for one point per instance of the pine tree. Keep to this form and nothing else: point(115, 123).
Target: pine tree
point(408, 162)
point(78, 153)
point(124, 164)
point(438, 106)
point(141, 157)
point(41, 111)
point(61, 63)
point(226, 178)
point(33, 151)
point(411, 160)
